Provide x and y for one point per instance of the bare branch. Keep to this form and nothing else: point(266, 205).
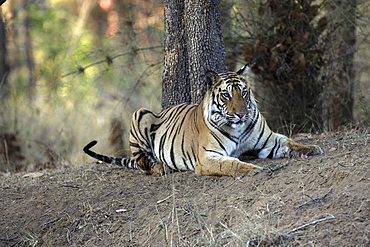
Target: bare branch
point(108, 60)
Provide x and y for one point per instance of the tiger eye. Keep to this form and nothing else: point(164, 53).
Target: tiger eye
point(225, 96)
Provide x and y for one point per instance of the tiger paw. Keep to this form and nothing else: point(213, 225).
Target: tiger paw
point(315, 150)
point(257, 170)
point(249, 169)
point(160, 169)
point(308, 150)
point(297, 150)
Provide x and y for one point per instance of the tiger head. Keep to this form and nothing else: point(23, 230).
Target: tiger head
point(230, 100)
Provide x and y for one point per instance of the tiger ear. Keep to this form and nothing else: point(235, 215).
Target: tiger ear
point(243, 70)
point(211, 78)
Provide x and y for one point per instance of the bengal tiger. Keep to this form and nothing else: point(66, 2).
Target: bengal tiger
point(208, 137)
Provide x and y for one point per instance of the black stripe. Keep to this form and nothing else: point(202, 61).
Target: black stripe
point(141, 114)
point(219, 142)
point(251, 125)
point(155, 127)
point(146, 136)
point(172, 154)
point(278, 147)
point(213, 151)
point(139, 155)
point(134, 132)
point(185, 163)
point(152, 139)
point(193, 164)
point(271, 154)
point(183, 151)
point(134, 144)
point(260, 136)
point(264, 144)
point(161, 150)
point(222, 131)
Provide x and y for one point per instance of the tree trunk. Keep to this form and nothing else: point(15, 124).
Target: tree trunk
point(4, 68)
point(193, 45)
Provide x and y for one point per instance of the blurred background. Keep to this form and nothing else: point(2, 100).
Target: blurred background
point(73, 71)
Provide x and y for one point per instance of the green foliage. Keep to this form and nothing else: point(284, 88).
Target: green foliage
point(75, 95)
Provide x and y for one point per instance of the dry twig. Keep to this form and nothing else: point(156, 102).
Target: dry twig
point(308, 224)
point(314, 200)
point(272, 169)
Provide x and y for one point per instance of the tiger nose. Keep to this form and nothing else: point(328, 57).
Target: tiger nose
point(240, 114)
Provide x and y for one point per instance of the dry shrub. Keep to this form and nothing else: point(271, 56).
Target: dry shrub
point(302, 54)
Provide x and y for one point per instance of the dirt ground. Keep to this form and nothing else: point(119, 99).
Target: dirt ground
point(320, 201)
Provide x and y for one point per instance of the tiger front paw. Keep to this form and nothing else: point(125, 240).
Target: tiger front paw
point(248, 169)
point(257, 170)
point(314, 150)
point(297, 150)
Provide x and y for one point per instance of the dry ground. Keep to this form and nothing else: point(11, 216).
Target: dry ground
point(321, 201)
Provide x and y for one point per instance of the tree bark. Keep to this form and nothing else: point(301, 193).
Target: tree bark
point(193, 45)
point(4, 68)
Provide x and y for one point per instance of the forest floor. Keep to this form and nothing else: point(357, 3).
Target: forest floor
point(320, 201)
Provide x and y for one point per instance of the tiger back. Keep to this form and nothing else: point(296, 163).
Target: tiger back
point(207, 138)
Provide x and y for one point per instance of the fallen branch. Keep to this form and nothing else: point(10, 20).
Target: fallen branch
point(309, 224)
point(314, 200)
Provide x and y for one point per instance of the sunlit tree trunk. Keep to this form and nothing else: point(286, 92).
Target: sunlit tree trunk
point(193, 45)
point(31, 78)
point(4, 69)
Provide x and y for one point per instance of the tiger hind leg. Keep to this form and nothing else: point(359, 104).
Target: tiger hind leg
point(146, 162)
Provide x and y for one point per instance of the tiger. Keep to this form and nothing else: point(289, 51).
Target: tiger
point(208, 137)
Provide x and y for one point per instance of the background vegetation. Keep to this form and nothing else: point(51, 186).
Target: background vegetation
point(77, 69)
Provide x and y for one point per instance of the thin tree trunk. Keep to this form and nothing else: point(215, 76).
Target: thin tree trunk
point(31, 80)
point(4, 68)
